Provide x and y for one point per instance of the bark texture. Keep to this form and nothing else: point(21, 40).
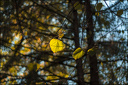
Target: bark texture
point(90, 41)
point(80, 73)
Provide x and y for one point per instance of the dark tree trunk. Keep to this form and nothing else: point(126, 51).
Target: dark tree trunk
point(90, 36)
point(80, 73)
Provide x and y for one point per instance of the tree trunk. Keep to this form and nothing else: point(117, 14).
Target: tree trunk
point(90, 36)
point(80, 73)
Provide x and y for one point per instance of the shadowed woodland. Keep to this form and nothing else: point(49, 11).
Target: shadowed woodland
point(63, 42)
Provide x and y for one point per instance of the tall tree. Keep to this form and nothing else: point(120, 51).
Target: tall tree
point(80, 73)
point(90, 41)
point(63, 42)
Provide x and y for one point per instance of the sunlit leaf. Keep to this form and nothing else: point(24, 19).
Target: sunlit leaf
point(41, 28)
point(1, 64)
point(47, 16)
point(44, 46)
point(25, 33)
point(91, 51)
point(25, 51)
point(13, 48)
point(60, 33)
point(79, 11)
point(13, 71)
point(40, 83)
point(97, 13)
point(36, 66)
point(1, 8)
point(33, 66)
point(10, 41)
point(53, 78)
point(119, 12)
point(16, 41)
point(56, 45)
point(101, 64)
point(63, 75)
point(14, 21)
point(78, 53)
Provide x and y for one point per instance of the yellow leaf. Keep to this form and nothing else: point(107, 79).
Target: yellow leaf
point(91, 51)
point(47, 16)
point(56, 45)
point(25, 51)
point(36, 66)
point(41, 28)
point(13, 71)
point(33, 66)
point(53, 78)
point(44, 46)
point(79, 11)
point(25, 33)
point(78, 53)
point(14, 21)
point(16, 41)
point(13, 48)
point(63, 75)
point(61, 33)
point(97, 13)
point(1, 64)
point(66, 76)
point(101, 64)
point(10, 41)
